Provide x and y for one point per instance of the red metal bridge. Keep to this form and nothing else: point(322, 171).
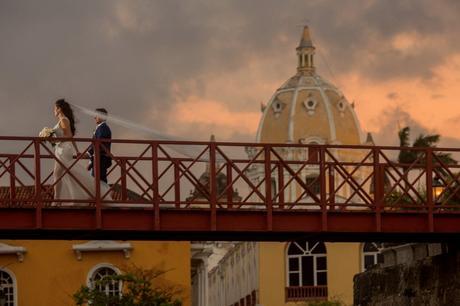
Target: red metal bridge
point(173, 190)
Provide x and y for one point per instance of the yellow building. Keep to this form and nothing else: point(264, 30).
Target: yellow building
point(48, 273)
point(305, 109)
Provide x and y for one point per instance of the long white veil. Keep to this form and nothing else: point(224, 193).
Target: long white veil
point(190, 151)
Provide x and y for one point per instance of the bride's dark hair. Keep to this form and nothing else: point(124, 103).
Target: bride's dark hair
point(68, 112)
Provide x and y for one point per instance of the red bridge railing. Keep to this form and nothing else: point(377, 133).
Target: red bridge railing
point(177, 186)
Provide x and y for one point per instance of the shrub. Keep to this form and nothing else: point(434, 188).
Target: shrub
point(139, 288)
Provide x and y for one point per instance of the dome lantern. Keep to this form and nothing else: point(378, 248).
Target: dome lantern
point(305, 53)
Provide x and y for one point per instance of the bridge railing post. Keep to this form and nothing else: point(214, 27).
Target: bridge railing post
point(322, 178)
point(97, 182)
point(378, 188)
point(280, 186)
point(429, 187)
point(230, 189)
point(213, 184)
point(331, 187)
point(154, 186)
point(177, 178)
point(12, 166)
point(38, 192)
point(268, 187)
point(123, 182)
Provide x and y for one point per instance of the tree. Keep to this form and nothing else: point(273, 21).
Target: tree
point(140, 287)
point(407, 158)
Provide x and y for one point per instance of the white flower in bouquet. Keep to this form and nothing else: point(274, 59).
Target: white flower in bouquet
point(47, 132)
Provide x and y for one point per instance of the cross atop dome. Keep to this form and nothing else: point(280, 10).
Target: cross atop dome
point(305, 53)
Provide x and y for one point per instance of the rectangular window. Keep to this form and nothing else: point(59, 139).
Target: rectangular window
point(307, 271)
point(313, 184)
point(379, 258)
point(369, 260)
point(294, 280)
point(293, 264)
point(321, 279)
point(321, 263)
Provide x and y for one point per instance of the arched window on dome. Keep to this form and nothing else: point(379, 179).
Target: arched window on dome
point(98, 273)
point(8, 291)
point(371, 255)
point(306, 270)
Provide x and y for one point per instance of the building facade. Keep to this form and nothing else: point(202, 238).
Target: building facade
point(48, 273)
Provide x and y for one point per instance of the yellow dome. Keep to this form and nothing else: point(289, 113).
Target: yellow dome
point(308, 109)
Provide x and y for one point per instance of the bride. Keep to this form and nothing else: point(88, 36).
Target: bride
point(66, 187)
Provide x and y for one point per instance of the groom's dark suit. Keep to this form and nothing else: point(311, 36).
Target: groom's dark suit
point(102, 132)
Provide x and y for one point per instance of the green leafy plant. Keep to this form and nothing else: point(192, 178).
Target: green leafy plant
point(332, 302)
point(140, 287)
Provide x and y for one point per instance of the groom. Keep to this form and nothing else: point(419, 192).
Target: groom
point(102, 132)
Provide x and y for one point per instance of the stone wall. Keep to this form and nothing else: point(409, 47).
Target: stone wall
point(428, 281)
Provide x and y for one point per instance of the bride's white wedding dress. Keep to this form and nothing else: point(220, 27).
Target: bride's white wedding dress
point(67, 187)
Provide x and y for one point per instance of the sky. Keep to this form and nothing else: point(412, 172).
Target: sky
point(195, 68)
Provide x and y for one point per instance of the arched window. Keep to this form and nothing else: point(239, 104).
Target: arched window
point(7, 288)
point(307, 264)
point(371, 255)
point(100, 272)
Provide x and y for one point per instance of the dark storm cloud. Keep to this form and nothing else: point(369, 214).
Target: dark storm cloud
point(120, 54)
point(126, 55)
point(359, 30)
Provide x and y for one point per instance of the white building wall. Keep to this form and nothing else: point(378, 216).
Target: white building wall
point(236, 275)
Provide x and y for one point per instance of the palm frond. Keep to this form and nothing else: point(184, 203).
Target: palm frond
point(426, 140)
point(403, 135)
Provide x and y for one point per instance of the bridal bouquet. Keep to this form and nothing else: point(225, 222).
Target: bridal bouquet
point(47, 132)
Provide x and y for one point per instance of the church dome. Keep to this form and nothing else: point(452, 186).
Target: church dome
point(307, 108)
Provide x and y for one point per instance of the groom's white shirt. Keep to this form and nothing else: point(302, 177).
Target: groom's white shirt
point(97, 126)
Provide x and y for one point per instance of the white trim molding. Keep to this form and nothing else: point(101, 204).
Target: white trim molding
point(330, 117)
point(312, 140)
point(102, 246)
point(292, 116)
point(19, 251)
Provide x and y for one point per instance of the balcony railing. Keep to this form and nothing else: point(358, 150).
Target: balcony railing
point(303, 293)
